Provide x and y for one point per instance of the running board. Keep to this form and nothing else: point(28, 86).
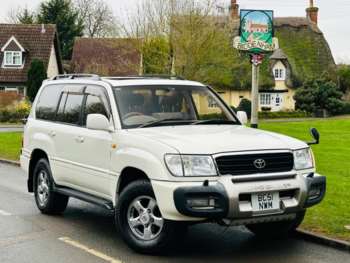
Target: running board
point(84, 197)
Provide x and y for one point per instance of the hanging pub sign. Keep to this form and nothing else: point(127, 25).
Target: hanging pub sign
point(256, 33)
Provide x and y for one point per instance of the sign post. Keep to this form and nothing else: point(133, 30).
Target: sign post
point(256, 60)
point(256, 37)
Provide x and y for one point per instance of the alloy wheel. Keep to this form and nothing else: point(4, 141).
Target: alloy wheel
point(43, 187)
point(144, 218)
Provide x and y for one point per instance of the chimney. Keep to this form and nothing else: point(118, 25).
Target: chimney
point(312, 12)
point(43, 30)
point(234, 9)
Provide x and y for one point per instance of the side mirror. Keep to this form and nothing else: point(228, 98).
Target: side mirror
point(315, 134)
point(97, 122)
point(242, 116)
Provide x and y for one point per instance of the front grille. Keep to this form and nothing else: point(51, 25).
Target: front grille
point(244, 164)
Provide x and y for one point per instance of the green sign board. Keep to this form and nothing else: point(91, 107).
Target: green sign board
point(256, 32)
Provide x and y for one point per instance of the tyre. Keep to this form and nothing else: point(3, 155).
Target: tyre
point(46, 199)
point(140, 222)
point(277, 229)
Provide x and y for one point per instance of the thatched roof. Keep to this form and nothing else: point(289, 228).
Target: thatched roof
point(278, 55)
point(296, 22)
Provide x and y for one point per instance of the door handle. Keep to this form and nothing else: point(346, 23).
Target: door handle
point(79, 139)
point(52, 133)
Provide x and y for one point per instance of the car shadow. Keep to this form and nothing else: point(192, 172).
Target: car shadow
point(208, 241)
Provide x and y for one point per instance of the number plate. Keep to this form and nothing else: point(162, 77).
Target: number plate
point(262, 202)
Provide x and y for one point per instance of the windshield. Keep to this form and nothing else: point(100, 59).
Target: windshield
point(145, 106)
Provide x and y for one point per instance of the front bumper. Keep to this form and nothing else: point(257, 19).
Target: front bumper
point(237, 205)
point(233, 200)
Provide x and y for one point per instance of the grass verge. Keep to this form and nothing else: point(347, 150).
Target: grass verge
point(332, 159)
point(10, 145)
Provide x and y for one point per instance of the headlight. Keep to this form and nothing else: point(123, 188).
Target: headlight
point(190, 165)
point(303, 159)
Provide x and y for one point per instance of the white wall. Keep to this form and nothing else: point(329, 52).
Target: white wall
point(52, 68)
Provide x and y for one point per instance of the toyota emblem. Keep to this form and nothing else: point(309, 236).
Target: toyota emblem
point(260, 163)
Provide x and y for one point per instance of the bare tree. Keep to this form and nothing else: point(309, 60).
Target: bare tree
point(193, 36)
point(98, 18)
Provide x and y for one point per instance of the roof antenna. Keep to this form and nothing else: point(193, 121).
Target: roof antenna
point(43, 30)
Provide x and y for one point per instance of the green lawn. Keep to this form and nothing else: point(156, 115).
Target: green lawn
point(10, 145)
point(332, 158)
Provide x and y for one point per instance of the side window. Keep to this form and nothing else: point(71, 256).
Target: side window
point(47, 103)
point(60, 110)
point(71, 110)
point(94, 105)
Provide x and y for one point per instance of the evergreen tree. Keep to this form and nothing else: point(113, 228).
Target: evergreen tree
point(36, 75)
point(26, 16)
point(317, 95)
point(66, 18)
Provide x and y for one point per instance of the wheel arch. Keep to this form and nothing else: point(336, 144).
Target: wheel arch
point(36, 155)
point(128, 175)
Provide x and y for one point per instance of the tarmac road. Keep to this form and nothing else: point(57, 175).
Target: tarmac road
point(85, 233)
point(11, 129)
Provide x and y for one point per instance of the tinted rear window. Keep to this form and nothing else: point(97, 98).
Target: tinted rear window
point(72, 110)
point(47, 103)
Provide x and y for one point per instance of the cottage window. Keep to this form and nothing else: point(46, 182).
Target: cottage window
point(279, 74)
point(13, 58)
point(265, 99)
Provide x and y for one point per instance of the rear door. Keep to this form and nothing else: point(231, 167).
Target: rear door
point(42, 130)
point(67, 137)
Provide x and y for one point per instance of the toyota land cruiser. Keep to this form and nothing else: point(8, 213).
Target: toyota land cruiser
point(163, 153)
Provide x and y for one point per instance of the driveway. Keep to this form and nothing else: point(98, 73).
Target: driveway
point(85, 233)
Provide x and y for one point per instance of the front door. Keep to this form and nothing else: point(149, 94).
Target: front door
point(96, 146)
point(278, 100)
point(83, 155)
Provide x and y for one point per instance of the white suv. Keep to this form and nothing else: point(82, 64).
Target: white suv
point(163, 153)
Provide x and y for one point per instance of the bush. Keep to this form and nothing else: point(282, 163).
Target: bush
point(245, 105)
point(283, 114)
point(15, 113)
point(319, 95)
point(266, 108)
point(36, 76)
point(346, 108)
point(343, 73)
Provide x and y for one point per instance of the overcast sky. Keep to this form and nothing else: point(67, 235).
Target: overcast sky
point(334, 16)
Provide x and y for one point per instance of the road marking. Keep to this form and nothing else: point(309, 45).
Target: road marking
point(91, 251)
point(4, 213)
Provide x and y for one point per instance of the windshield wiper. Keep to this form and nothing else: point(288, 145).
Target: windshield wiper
point(214, 121)
point(162, 121)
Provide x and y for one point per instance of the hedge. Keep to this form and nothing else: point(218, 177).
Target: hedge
point(283, 114)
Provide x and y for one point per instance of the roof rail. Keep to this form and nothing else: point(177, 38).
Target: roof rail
point(76, 76)
point(147, 76)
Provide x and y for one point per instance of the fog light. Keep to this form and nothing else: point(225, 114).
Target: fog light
point(201, 203)
point(314, 193)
